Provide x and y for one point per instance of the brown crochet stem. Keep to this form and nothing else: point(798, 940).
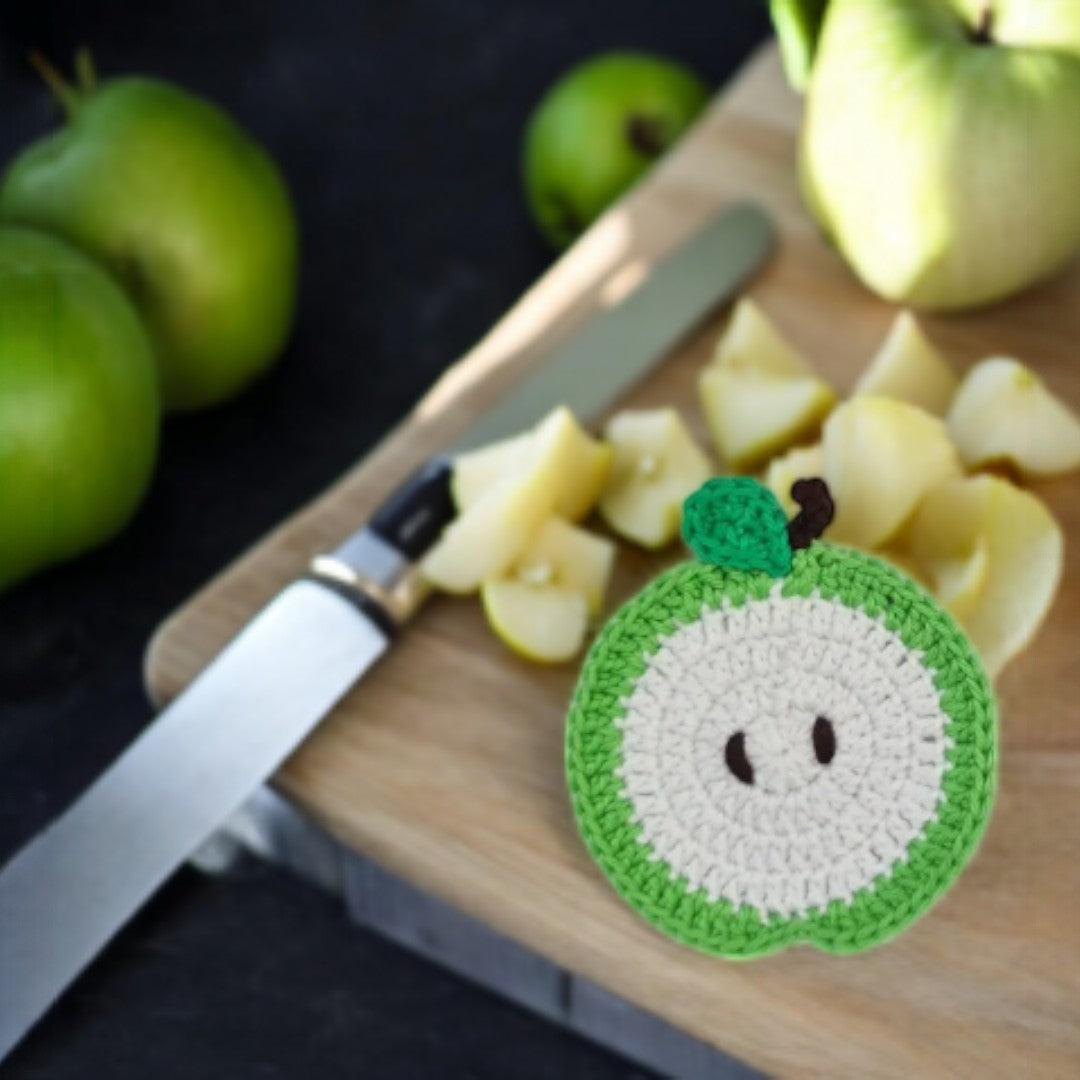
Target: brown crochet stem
point(816, 512)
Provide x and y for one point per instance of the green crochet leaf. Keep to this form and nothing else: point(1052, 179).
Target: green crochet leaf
point(734, 522)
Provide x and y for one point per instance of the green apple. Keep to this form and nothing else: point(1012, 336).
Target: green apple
point(940, 147)
point(78, 404)
point(597, 130)
point(186, 209)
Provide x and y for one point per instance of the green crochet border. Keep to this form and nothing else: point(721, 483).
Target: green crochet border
point(593, 752)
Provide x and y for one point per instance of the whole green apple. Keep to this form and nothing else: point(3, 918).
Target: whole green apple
point(78, 403)
point(187, 210)
point(597, 130)
point(941, 144)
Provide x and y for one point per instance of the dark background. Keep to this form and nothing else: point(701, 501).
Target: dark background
point(397, 125)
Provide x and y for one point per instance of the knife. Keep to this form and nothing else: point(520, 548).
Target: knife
point(68, 891)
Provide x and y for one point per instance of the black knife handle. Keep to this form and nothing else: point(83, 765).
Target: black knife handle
point(413, 518)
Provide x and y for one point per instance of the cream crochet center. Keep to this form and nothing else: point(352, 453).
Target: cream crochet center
point(802, 833)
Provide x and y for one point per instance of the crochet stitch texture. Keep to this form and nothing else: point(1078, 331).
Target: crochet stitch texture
point(758, 759)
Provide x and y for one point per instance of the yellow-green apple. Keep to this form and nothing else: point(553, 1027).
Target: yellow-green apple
point(940, 147)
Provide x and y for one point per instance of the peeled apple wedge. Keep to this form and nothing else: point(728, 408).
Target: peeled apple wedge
point(561, 555)
point(656, 466)
point(1003, 412)
point(493, 531)
point(909, 368)
point(546, 626)
point(541, 608)
point(800, 463)
point(588, 461)
point(476, 472)
point(758, 394)
point(881, 457)
point(994, 554)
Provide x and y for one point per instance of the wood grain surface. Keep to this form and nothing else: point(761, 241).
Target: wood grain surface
point(445, 765)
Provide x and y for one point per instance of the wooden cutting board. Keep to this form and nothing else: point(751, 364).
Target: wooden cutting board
point(445, 765)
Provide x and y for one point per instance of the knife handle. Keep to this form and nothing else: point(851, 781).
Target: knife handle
point(379, 562)
point(414, 516)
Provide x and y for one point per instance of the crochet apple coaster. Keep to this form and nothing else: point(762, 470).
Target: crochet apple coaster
point(783, 741)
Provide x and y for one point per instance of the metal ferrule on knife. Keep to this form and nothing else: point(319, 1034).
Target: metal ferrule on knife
point(377, 567)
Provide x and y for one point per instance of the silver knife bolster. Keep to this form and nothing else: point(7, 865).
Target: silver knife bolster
point(371, 571)
point(380, 563)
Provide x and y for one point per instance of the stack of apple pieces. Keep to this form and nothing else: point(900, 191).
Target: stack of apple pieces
point(541, 578)
point(895, 456)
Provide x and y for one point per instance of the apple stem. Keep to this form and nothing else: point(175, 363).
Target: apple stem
point(67, 95)
point(815, 512)
point(983, 32)
point(85, 73)
point(646, 134)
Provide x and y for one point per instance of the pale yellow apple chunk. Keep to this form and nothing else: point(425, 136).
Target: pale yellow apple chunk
point(588, 461)
point(959, 579)
point(750, 342)
point(656, 466)
point(909, 368)
point(1003, 412)
point(881, 457)
point(759, 394)
point(561, 555)
point(999, 550)
point(545, 625)
point(752, 416)
point(478, 471)
point(486, 539)
point(799, 463)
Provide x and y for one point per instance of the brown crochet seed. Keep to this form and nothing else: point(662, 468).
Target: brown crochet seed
point(812, 495)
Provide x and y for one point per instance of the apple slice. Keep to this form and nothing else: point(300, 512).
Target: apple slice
point(994, 555)
point(486, 539)
point(751, 343)
point(799, 463)
point(959, 578)
point(758, 394)
point(909, 368)
point(561, 555)
point(541, 608)
point(477, 471)
point(656, 466)
point(1003, 412)
point(881, 457)
point(543, 625)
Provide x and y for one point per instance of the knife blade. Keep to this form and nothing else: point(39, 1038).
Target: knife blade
point(70, 889)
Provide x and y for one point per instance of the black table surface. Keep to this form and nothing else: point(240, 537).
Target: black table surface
point(398, 126)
